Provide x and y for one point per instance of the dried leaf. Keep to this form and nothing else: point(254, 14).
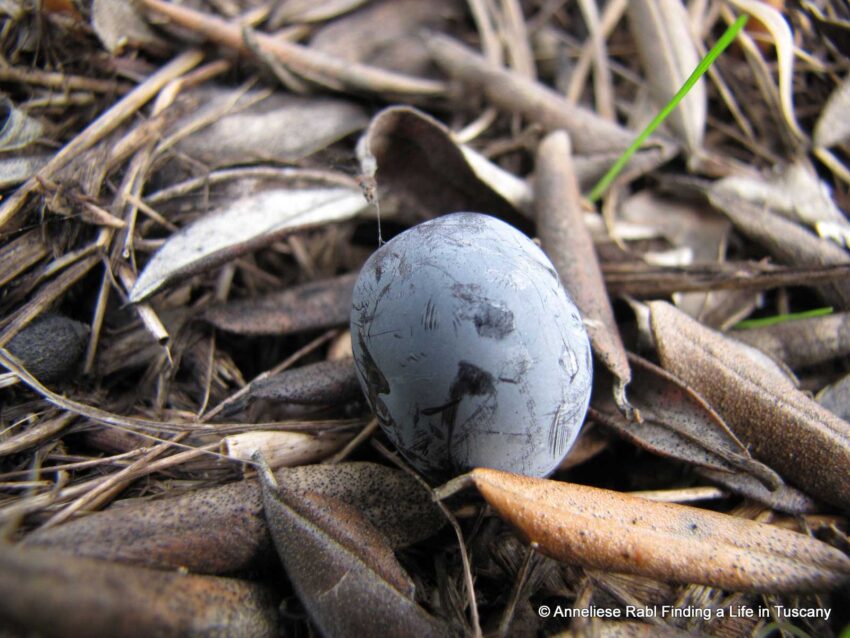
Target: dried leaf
point(323, 383)
point(53, 594)
point(802, 342)
point(313, 306)
point(265, 211)
point(119, 25)
point(783, 498)
point(677, 423)
point(783, 40)
point(415, 159)
point(783, 427)
point(790, 243)
point(668, 57)
point(242, 127)
point(17, 129)
point(50, 347)
point(794, 191)
point(311, 10)
point(284, 449)
point(836, 398)
point(832, 127)
point(567, 242)
point(387, 34)
point(607, 530)
point(222, 529)
point(342, 569)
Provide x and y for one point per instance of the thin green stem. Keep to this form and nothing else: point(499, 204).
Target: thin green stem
point(724, 41)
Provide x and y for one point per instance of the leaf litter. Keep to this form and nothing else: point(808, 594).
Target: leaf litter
point(235, 189)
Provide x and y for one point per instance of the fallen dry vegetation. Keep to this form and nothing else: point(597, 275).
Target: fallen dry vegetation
point(188, 192)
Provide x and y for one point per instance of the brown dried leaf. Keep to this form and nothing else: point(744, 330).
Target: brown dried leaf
point(567, 242)
point(678, 423)
point(783, 498)
point(794, 191)
point(668, 57)
point(341, 567)
point(222, 529)
point(242, 127)
point(323, 383)
point(836, 398)
point(787, 241)
point(313, 306)
point(264, 211)
point(415, 159)
point(603, 529)
point(806, 444)
point(52, 594)
point(803, 342)
point(387, 34)
point(832, 125)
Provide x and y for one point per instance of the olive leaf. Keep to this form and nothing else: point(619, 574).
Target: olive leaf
point(802, 342)
point(567, 242)
point(222, 529)
point(677, 423)
point(238, 127)
point(607, 530)
point(54, 594)
point(258, 212)
point(668, 57)
point(341, 566)
point(836, 398)
point(310, 10)
point(414, 158)
point(806, 444)
point(323, 383)
point(789, 242)
point(832, 126)
point(312, 306)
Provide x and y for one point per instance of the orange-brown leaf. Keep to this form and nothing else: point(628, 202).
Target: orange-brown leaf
point(603, 529)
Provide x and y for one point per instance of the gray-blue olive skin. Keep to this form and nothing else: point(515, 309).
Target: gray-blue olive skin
point(468, 349)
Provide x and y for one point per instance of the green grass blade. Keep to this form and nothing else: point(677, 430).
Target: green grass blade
point(776, 319)
point(724, 41)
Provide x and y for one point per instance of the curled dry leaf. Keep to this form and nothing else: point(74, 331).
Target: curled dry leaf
point(783, 40)
point(20, 155)
point(668, 57)
point(323, 383)
point(415, 159)
point(783, 498)
point(836, 398)
point(313, 306)
point(806, 444)
point(603, 529)
point(241, 127)
point(263, 211)
point(802, 342)
point(222, 529)
point(341, 567)
point(832, 127)
point(284, 449)
point(566, 240)
point(678, 423)
point(50, 347)
point(52, 594)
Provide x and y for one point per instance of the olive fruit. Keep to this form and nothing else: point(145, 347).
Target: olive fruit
point(468, 349)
